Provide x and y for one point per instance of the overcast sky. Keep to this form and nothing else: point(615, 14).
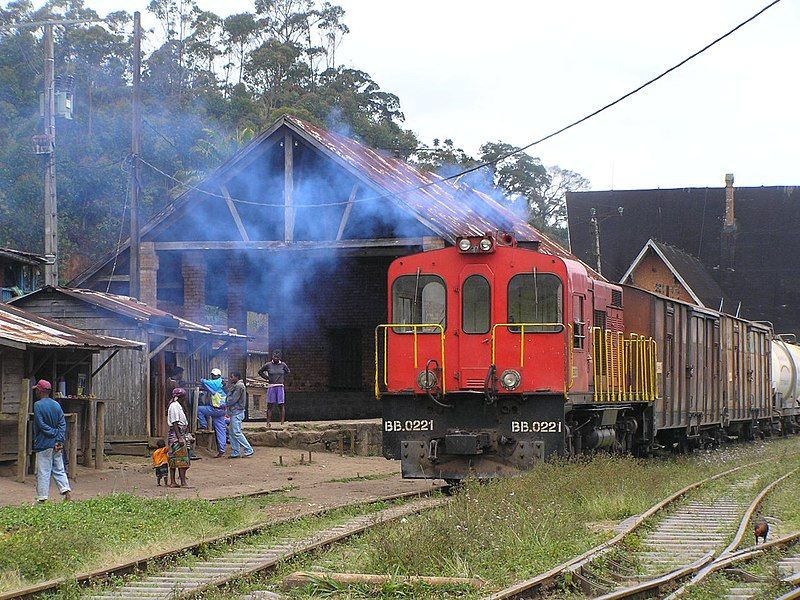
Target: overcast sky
point(516, 70)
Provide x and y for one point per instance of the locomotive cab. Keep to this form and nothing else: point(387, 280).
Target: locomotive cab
point(486, 349)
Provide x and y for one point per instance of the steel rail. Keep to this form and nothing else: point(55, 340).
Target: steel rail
point(534, 584)
point(698, 569)
point(142, 562)
point(724, 557)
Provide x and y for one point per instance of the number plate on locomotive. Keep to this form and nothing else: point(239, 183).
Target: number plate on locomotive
point(536, 426)
point(410, 425)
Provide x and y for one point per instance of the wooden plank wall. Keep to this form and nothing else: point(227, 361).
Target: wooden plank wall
point(11, 374)
point(124, 382)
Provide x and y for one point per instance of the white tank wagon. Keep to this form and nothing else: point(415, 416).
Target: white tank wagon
point(786, 381)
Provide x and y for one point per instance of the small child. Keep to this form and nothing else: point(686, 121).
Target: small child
point(160, 462)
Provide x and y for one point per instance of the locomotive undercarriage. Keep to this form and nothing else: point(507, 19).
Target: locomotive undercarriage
point(439, 439)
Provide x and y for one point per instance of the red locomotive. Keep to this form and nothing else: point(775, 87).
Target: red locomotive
point(496, 357)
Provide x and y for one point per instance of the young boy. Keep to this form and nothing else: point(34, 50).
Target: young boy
point(160, 462)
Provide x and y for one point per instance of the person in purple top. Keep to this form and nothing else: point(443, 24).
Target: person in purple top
point(275, 372)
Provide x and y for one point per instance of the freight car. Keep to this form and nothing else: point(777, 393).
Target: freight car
point(497, 357)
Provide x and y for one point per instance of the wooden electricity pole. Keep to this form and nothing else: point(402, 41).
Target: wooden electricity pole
point(136, 131)
point(50, 203)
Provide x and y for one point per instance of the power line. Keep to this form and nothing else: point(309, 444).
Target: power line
point(502, 156)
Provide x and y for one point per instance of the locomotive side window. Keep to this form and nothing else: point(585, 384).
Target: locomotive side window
point(419, 299)
point(535, 298)
point(476, 309)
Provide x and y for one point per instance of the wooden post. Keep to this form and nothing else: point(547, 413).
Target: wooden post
point(195, 408)
point(136, 125)
point(50, 202)
point(288, 187)
point(22, 429)
point(72, 444)
point(100, 438)
point(87, 434)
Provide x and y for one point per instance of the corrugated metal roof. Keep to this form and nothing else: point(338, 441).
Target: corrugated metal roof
point(24, 257)
point(133, 308)
point(20, 327)
point(451, 208)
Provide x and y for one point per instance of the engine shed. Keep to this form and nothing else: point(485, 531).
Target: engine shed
point(300, 227)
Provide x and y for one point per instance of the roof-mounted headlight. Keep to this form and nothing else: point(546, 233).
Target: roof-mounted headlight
point(464, 245)
point(486, 244)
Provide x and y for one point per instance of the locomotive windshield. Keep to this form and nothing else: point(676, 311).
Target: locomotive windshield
point(477, 305)
point(535, 298)
point(419, 299)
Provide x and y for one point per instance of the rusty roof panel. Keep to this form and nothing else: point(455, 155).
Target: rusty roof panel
point(450, 207)
point(133, 308)
point(20, 327)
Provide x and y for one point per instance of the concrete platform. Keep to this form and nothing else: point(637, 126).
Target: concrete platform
point(362, 437)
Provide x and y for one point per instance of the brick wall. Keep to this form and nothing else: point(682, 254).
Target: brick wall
point(193, 269)
point(653, 274)
point(355, 299)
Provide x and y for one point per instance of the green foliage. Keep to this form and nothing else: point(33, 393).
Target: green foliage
point(48, 540)
point(208, 87)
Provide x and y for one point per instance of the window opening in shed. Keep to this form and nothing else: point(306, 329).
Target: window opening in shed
point(346, 366)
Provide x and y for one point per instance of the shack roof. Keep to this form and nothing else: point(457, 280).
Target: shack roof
point(136, 310)
point(21, 329)
point(449, 209)
point(687, 269)
point(19, 256)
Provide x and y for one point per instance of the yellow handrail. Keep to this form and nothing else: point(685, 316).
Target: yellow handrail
point(414, 327)
point(522, 327)
point(624, 369)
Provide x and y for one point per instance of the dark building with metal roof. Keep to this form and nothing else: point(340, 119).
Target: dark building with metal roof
point(20, 272)
point(301, 225)
point(747, 238)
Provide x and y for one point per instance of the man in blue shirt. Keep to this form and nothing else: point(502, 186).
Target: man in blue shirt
point(49, 433)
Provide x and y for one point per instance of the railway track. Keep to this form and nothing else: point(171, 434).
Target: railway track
point(682, 544)
point(246, 559)
point(284, 550)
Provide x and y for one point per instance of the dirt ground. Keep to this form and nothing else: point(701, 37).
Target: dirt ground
point(314, 484)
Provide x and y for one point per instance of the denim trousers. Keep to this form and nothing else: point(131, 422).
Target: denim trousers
point(50, 463)
point(217, 417)
point(238, 441)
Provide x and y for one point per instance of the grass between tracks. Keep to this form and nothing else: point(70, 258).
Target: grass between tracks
point(50, 540)
point(512, 529)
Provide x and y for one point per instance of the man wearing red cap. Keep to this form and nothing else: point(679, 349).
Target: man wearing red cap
point(49, 433)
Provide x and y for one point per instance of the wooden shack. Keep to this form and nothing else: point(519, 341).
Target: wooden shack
point(33, 348)
point(138, 379)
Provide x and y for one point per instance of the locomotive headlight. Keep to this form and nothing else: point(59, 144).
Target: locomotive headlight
point(464, 245)
point(486, 244)
point(510, 379)
point(427, 380)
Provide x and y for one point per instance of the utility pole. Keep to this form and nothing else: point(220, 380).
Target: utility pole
point(596, 238)
point(136, 130)
point(46, 144)
point(50, 203)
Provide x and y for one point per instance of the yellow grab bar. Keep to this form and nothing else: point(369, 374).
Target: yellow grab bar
point(414, 327)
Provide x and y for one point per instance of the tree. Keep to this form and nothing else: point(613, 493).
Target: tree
point(537, 190)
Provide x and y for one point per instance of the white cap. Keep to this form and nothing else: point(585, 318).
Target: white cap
point(216, 371)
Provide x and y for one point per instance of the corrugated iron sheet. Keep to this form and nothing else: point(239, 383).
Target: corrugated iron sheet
point(133, 308)
point(451, 208)
point(27, 258)
point(21, 327)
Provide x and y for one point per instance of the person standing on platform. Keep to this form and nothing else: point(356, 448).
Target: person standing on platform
point(49, 434)
point(215, 409)
point(275, 372)
point(237, 402)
